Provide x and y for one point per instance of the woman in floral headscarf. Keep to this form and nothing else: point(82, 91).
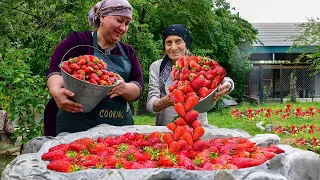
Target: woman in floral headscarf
point(111, 18)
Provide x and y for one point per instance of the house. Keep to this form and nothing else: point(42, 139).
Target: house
point(275, 67)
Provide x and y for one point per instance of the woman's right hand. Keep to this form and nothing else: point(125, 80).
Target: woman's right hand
point(61, 96)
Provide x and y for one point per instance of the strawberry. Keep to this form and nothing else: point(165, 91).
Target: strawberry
point(172, 126)
point(174, 146)
point(77, 147)
point(196, 123)
point(178, 132)
point(180, 121)
point(183, 144)
point(167, 161)
point(186, 162)
point(66, 68)
point(203, 92)
point(149, 164)
point(155, 134)
point(198, 132)
point(195, 66)
point(202, 157)
point(191, 102)
point(243, 162)
point(62, 147)
point(62, 166)
point(275, 149)
point(137, 165)
point(197, 83)
point(167, 137)
point(97, 148)
point(214, 85)
point(178, 96)
point(188, 138)
point(91, 160)
point(191, 116)
point(179, 108)
point(53, 155)
point(74, 67)
point(199, 145)
point(187, 88)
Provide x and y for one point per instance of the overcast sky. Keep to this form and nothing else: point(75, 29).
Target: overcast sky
point(276, 10)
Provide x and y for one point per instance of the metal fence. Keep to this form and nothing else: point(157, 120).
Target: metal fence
point(273, 81)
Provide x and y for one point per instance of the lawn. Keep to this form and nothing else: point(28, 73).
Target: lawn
point(224, 119)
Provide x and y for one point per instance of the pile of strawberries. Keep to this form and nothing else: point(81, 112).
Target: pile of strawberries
point(194, 77)
point(90, 69)
point(135, 151)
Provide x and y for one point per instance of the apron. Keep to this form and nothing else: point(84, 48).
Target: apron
point(115, 111)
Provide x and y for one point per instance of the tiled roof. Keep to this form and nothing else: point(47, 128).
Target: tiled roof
point(276, 34)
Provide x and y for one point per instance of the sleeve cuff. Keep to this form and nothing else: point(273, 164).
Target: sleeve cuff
point(149, 105)
point(141, 92)
point(231, 82)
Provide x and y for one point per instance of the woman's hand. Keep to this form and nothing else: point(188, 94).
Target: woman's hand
point(61, 96)
point(223, 89)
point(120, 89)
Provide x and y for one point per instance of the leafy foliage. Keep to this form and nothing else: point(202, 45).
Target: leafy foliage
point(30, 30)
point(310, 40)
point(22, 94)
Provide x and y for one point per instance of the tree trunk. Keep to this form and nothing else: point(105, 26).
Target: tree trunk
point(293, 88)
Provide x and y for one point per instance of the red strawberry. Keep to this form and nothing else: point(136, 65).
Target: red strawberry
point(53, 155)
point(167, 137)
point(203, 91)
point(149, 164)
point(199, 145)
point(183, 144)
point(74, 66)
point(188, 138)
point(172, 126)
point(202, 157)
point(178, 95)
point(174, 146)
point(61, 166)
point(197, 83)
point(62, 147)
point(196, 123)
point(191, 102)
point(180, 121)
point(187, 88)
point(166, 161)
point(191, 116)
point(243, 162)
point(179, 108)
point(198, 132)
point(155, 134)
point(195, 66)
point(97, 148)
point(178, 132)
point(214, 85)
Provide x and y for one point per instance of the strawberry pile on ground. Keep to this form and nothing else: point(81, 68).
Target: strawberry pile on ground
point(90, 69)
point(135, 151)
point(193, 77)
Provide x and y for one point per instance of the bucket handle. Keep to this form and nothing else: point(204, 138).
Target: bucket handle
point(85, 45)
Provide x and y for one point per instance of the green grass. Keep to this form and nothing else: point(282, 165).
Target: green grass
point(224, 119)
point(4, 160)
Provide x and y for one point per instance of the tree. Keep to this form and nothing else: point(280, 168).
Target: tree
point(308, 41)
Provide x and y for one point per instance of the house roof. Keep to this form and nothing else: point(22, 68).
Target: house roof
point(276, 34)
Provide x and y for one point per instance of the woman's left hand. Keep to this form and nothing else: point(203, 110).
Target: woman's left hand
point(223, 89)
point(119, 90)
